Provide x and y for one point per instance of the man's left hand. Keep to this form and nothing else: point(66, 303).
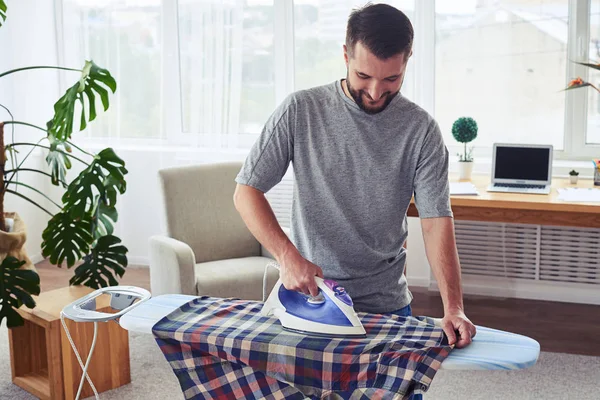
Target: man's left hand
point(459, 329)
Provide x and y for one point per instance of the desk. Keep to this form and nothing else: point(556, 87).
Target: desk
point(523, 208)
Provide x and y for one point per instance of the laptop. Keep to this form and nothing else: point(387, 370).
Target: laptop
point(521, 168)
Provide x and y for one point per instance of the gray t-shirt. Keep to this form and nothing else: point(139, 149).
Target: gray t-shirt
point(355, 175)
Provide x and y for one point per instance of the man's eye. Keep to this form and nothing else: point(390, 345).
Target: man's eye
point(363, 77)
point(391, 79)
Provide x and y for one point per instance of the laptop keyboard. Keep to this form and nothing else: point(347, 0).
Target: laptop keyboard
point(518, 185)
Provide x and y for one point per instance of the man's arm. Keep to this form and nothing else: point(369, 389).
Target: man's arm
point(440, 246)
point(296, 272)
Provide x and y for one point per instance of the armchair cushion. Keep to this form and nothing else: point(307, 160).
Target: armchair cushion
point(235, 277)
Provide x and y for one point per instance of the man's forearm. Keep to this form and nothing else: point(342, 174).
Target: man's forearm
point(261, 221)
point(440, 246)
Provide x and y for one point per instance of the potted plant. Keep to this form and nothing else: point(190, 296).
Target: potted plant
point(464, 131)
point(81, 226)
point(573, 175)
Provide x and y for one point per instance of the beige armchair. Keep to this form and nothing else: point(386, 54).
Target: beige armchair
point(208, 249)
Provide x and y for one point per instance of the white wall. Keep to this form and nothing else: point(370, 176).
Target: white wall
point(418, 272)
point(28, 38)
point(141, 208)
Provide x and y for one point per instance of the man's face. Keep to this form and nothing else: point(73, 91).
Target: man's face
point(372, 82)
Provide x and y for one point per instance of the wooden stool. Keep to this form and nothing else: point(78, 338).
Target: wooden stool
point(42, 360)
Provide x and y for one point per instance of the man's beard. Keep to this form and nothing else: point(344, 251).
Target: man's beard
point(357, 95)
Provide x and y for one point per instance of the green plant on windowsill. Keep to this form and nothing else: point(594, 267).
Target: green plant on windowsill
point(81, 227)
point(573, 173)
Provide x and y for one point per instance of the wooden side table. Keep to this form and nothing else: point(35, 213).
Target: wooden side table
point(42, 360)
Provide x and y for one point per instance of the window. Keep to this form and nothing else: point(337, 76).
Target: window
point(504, 64)
point(125, 38)
point(593, 127)
point(227, 66)
point(209, 73)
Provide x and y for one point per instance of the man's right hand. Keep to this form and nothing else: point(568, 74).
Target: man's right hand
point(297, 273)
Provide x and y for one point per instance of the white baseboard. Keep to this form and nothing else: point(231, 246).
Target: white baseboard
point(138, 261)
point(36, 258)
point(534, 290)
point(418, 282)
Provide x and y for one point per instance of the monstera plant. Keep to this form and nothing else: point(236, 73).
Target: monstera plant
point(81, 226)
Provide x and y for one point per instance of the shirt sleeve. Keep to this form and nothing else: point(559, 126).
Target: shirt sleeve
point(270, 157)
point(432, 188)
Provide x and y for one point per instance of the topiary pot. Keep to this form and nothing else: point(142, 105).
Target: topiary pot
point(465, 168)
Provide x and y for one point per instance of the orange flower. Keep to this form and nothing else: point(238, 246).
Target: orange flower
point(576, 82)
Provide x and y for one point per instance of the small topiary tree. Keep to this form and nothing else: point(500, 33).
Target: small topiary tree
point(464, 131)
point(573, 173)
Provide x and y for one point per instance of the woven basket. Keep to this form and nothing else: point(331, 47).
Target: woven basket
point(13, 243)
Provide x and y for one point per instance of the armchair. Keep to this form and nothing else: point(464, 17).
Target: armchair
point(208, 250)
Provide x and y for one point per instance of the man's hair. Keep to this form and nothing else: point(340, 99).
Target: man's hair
point(384, 30)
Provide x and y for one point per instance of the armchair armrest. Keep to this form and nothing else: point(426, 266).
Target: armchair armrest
point(172, 265)
point(265, 253)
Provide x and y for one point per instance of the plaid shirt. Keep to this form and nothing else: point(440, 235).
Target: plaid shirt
point(224, 349)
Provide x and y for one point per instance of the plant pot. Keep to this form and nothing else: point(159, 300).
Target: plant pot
point(13, 243)
point(464, 169)
point(573, 179)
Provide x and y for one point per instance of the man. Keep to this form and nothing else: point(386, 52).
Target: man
point(359, 151)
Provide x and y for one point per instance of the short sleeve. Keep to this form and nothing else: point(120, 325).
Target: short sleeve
point(432, 188)
point(270, 157)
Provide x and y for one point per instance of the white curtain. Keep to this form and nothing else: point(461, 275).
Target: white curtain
point(210, 41)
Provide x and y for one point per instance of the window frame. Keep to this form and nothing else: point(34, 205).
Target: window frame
point(575, 126)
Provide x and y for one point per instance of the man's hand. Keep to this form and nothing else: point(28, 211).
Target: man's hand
point(457, 321)
point(297, 273)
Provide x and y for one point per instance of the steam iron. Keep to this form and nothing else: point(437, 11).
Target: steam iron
point(330, 313)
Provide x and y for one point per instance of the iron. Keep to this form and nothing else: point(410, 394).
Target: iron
point(330, 313)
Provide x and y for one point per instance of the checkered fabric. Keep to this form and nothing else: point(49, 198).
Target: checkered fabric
point(224, 349)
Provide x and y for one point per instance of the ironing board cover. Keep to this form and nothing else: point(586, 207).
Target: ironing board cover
point(224, 349)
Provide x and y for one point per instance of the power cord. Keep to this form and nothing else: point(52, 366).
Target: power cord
point(272, 264)
point(87, 363)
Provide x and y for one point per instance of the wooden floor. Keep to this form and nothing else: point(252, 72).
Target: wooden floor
point(558, 327)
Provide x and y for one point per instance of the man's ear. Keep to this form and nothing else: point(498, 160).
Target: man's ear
point(345, 55)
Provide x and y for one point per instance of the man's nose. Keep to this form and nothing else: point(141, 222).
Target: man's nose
point(375, 92)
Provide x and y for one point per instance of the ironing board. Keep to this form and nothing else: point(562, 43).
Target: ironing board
point(491, 349)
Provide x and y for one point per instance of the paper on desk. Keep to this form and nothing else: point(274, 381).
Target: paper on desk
point(462, 188)
point(579, 194)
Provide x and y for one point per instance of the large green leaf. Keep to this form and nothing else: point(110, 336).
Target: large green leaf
point(67, 238)
point(94, 80)
point(59, 162)
point(104, 219)
point(107, 255)
point(106, 174)
point(2, 19)
point(16, 288)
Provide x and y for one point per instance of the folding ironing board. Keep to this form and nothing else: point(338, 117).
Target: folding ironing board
point(491, 349)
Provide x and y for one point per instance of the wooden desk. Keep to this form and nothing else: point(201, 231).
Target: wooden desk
point(523, 208)
point(42, 360)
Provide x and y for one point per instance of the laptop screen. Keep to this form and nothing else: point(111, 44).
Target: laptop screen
point(523, 163)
